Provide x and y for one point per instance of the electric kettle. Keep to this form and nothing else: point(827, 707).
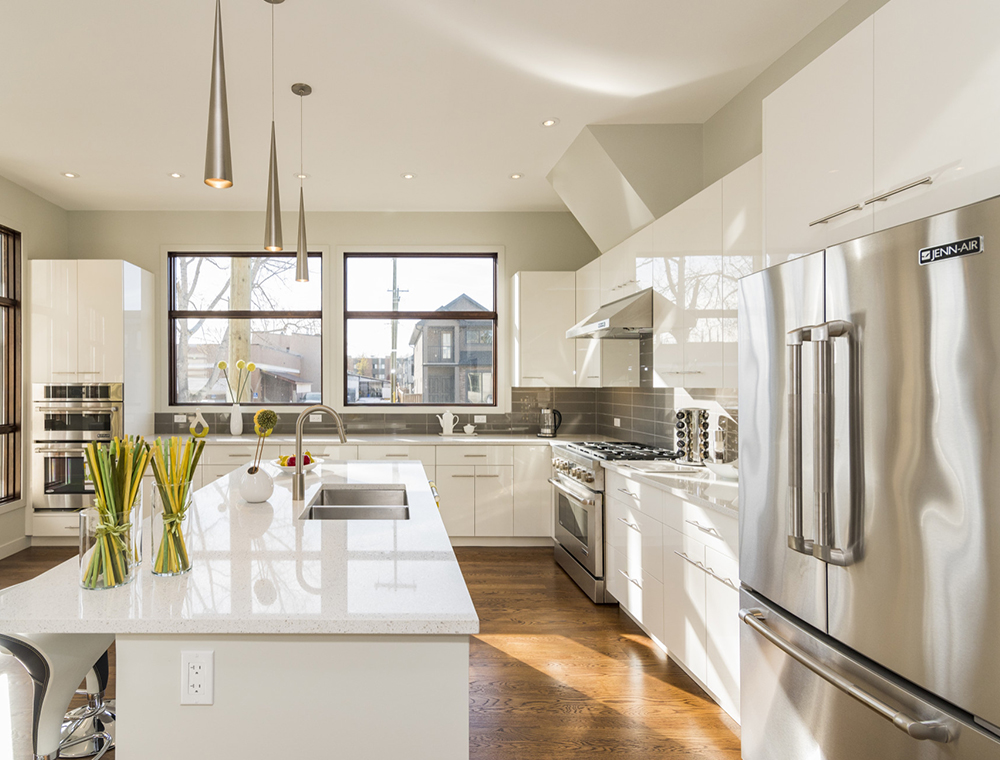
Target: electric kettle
point(551, 419)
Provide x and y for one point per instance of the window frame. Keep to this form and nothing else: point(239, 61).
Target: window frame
point(10, 422)
point(175, 314)
point(480, 316)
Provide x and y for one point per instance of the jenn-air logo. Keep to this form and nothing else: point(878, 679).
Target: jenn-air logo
point(951, 250)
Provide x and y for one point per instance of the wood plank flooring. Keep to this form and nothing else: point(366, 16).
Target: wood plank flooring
point(552, 676)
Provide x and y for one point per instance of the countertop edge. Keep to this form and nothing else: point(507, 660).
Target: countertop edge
point(677, 490)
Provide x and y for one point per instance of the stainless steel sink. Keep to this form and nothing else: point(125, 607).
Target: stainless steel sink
point(358, 501)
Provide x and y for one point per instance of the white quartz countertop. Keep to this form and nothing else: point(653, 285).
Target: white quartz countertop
point(415, 439)
point(260, 569)
point(696, 484)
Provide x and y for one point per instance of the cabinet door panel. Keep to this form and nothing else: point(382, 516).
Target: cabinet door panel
point(331, 452)
point(652, 606)
point(935, 115)
point(545, 308)
point(494, 501)
point(684, 601)
point(722, 622)
point(818, 146)
point(532, 492)
point(100, 321)
point(476, 454)
point(395, 453)
point(588, 363)
point(53, 321)
point(457, 490)
point(588, 289)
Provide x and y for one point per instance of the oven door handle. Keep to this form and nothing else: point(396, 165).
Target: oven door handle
point(77, 450)
point(76, 409)
point(574, 496)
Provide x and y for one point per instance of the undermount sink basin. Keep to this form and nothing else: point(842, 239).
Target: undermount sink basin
point(358, 501)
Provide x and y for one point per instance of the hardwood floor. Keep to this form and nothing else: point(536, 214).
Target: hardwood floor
point(552, 676)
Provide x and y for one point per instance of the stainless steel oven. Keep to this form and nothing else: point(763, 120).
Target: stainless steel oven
point(64, 417)
point(580, 525)
point(77, 412)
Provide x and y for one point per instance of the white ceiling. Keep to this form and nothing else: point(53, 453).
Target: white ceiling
point(451, 90)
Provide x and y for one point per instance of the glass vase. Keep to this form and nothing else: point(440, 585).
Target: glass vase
point(171, 502)
point(110, 547)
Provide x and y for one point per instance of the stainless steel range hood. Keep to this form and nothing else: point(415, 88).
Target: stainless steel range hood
point(628, 317)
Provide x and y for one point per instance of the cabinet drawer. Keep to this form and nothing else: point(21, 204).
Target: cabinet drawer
point(614, 582)
point(714, 529)
point(235, 454)
point(630, 587)
point(478, 455)
point(652, 606)
point(213, 472)
point(332, 452)
point(637, 537)
point(645, 498)
point(61, 524)
point(423, 454)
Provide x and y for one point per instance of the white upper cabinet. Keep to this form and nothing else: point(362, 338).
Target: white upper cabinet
point(937, 106)
point(687, 277)
point(588, 300)
point(742, 249)
point(625, 268)
point(818, 145)
point(544, 309)
point(78, 319)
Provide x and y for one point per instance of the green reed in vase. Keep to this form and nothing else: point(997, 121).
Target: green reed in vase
point(116, 469)
point(173, 469)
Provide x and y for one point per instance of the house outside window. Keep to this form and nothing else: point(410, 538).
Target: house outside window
point(241, 306)
point(419, 329)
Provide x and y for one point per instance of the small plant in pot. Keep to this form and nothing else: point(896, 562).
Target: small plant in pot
point(256, 485)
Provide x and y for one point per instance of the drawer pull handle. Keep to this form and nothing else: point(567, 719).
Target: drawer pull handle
point(835, 214)
point(475, 456)
point(488, 476)
point(704, 528)
point(631, 579)
point(463, 476)
point(633, 495)
point(396, 456)
point(686, 558)
point(633, 526)
point(888, 195)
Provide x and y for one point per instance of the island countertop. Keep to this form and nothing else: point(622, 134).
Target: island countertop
point(260, 569)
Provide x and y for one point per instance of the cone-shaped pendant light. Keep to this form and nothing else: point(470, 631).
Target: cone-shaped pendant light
point(272, 226)
point(302, 249)
point(218, 158)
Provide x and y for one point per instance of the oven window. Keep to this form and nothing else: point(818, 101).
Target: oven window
point(574, 519)
point(64, 422)
point(66, 475)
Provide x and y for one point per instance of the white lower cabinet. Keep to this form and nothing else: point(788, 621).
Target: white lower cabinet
point(330, 452)
point(456, 486)
point(476, 500)
point(684, 601)
point(532, 492)
point(722, 607)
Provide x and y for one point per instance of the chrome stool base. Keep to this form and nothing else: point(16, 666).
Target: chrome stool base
point(91, 728)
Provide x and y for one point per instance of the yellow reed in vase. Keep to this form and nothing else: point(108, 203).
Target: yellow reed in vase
point(173, 469)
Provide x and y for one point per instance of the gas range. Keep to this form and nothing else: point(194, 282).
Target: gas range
point(581, 462)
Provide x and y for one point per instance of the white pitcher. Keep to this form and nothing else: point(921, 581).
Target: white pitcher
point(448, 422)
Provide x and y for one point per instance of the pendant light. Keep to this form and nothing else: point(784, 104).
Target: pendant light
point(302, 248)
point(272, 227)
point(218, 159)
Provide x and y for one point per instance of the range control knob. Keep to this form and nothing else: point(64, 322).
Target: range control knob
point(588, 478)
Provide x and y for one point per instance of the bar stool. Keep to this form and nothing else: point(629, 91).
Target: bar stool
point(56, 664)
point(91, 721)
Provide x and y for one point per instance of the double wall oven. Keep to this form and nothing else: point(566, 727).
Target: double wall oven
point(578, 487)
point(64, 418)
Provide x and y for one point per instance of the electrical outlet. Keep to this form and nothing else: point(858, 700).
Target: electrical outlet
point(197, 678)
point(180, 418)
point(479, 418)
point(618, 422)
point(316, 417)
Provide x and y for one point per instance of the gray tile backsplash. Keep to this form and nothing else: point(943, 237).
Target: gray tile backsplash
point(646, 415)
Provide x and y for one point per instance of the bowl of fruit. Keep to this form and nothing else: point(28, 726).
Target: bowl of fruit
point(287, 463)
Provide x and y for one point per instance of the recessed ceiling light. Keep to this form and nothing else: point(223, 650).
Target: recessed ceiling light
point(550, 122)
point(71, 175)
point(407, 176)
point(300, 176)
point(516, 176)
point(176, 175)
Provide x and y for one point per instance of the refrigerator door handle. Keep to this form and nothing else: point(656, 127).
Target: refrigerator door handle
point(796, 539)
point(940, 731)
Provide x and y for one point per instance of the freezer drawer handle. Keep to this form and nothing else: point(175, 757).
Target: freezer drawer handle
point(932, 730)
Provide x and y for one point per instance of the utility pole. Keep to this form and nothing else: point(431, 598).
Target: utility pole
point(393, 385)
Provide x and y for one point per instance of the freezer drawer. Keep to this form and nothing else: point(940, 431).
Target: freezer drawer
point(791, 712)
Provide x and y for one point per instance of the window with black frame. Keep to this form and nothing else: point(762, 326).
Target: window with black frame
point(420, 329)
point(244, 307)
point(10, 365)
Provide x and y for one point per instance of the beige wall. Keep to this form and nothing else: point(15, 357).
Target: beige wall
point(44, 230)
point(734, 134)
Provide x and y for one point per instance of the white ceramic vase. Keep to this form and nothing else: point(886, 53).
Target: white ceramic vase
point(236, 420)
point(256, 487)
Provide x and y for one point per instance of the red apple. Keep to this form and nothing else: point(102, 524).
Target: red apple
point(291, 461)
point(306, 459)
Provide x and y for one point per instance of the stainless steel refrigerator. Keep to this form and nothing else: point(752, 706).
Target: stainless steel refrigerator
point(869, 398)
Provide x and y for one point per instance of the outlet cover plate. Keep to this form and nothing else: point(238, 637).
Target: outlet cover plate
point(479, 419)
point(180, 418)
point(197, 678)
point(618, 422)
point(316, 417)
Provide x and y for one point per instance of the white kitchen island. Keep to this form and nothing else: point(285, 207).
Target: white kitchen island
point(330, 638)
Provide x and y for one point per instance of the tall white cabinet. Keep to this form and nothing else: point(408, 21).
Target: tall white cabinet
point(544, 308)
point(93, 321)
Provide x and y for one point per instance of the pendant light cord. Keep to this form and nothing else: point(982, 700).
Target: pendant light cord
point(301, 149)
point(272, 62)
